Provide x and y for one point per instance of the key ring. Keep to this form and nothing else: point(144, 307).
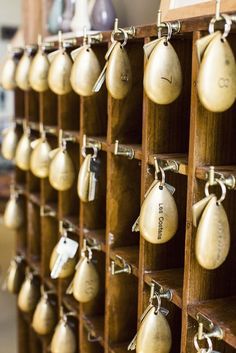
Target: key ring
point(161, 170)
point(227, 26)
point(209, 342)
point(157, 305)
point(95, 152)
point(125, 34)
point(223, 189)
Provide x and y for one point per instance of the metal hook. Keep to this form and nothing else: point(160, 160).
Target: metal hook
point(214, 178)
point(175, 26)
point(214, 330)
point(157, 289)
point(47, 212)
point(123, 33)
point(123, 150)
point(126, 268)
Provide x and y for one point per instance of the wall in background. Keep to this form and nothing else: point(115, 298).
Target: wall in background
point(10, 13)
point(135, 12)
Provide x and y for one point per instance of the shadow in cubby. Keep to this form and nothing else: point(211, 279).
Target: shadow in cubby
point(69, 111)
point(170, 254)
point(217, 285)
point(124, 200)
point(35, 343)
point(94, 213)
point(87, 344)
point(32, 106)
point(94, 108)
point(21, 238)
point(168, 125)
point(49, 194)
point(48, 108)
point(69, 200)
point(126, 114)
point(19, 103)
point(34, 234)
point(49, 239)
point(122, 308)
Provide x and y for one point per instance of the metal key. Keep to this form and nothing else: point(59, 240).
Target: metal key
point(93, 178)
point(66, 249)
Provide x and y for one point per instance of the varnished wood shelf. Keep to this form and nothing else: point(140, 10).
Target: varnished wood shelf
point(101, 139)
point(119, 348)
point(131, 256)
point(74, 221)
point(35, 198)
point(96, 236)
point(225, 171)
point(181, 159)
point(71, 304)
point(168, 279)
point(222, 312)
point(136, 148)
point(95, 325)
point(71, 133)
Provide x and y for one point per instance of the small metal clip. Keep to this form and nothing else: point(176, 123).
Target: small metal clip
point(173, 26)
point(120, 150)
point(212, 176)
point(162, 293)
point(46, 211)
point(126, 268)
point(122, 34)
point(214, 330)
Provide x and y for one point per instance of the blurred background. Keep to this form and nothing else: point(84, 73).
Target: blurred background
point(20, 22)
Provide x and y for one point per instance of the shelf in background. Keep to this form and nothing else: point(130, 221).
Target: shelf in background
point(222, 312)
point(95, 325)
point(168, 279)
point(73, 221)
point(181, 159)
point(136, 148)
point(119, 348)
point(131, 256)
point(97, 236)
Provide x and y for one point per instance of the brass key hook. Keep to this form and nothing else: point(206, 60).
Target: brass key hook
point(172, 27)
point(121, 33)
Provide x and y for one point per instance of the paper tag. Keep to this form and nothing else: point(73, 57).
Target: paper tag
point(170, 188)
point(100, 80)
point(164, 311)
point(135, 227)
point(70, 287)
point(202, 44)
point(198, 209)
point(148, 48)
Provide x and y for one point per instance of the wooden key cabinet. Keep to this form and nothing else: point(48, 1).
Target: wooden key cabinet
point(183, 132)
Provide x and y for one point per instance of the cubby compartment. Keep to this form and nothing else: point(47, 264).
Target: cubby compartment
point(94, 212)
point(121, 304)
point(69, 111)
point(34, 233)
point(49, 239)
point(124, 187)
point(32, 106)
point(69, 200)
point(48, 108)
point(125, 115)
point(94, 108)
point(19, 104)
point(167, 126)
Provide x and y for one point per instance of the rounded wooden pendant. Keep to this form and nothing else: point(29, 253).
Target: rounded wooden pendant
point(163, 74)
point(85, 71)
point(63, 340)
point(59, 73)
point(22, 72)
point(119, 74)
point(8, 74)
point(15, 277)
point(9, 143)
point(213, 236)
point(28, 296)
point(40, 160)
point(13, 217)
point(159, 216)
point(23, 152)
point(61, 171)
point(86, 281)
point(154, 334)
point(38, 75)
point(217, 76)
point(44, 318)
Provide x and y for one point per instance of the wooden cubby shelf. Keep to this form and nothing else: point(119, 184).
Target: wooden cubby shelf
point(184, 132)
point(222, 312)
